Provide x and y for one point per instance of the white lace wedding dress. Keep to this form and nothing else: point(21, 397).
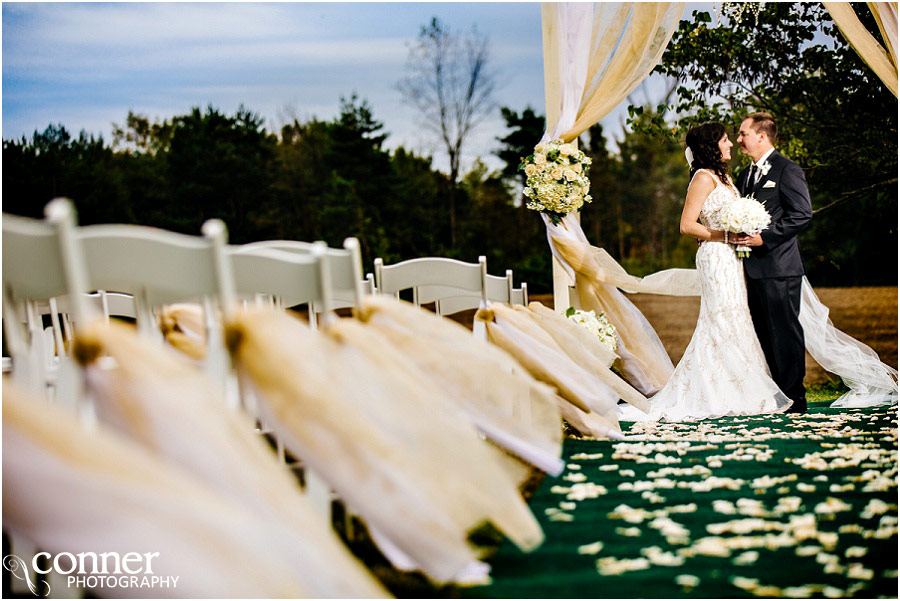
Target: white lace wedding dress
point(723, 370)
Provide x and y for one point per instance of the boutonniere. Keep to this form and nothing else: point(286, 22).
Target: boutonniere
point(764, 168)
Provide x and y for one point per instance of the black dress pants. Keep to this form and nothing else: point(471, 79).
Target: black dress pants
point(775, 310)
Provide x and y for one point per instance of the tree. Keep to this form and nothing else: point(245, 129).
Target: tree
point(219, 166)
point(52, 164)
point(449, 82)
point(604, 221)
point(362, 181)
point(527, 129)
point(140, 135)
point(835, 118)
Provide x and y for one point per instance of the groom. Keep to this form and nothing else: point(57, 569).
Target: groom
point(774, 269)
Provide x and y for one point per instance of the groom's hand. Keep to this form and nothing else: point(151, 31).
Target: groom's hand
point(746, 239)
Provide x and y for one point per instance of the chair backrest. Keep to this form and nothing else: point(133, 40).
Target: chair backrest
point(290, 277)
point(155, 266)
point(449, 300)
point(108, 304)
point(344, 266)
point(435, 276)
point(41, 259)
point(519, 296)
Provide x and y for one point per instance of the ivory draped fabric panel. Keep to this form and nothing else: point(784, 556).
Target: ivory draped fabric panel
point(882, 61)
point(595, 54)
point(886, 16)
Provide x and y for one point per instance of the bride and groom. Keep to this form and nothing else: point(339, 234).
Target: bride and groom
point(747, 353)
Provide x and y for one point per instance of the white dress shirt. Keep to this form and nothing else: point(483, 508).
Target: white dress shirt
point(758, 164)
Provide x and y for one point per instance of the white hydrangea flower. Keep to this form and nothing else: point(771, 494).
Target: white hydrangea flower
point(598, 325)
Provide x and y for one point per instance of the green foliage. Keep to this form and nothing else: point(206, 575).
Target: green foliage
point(315, 180)
point(218, 166)
point(835, 118)
point(526, 129)
point(639, 194)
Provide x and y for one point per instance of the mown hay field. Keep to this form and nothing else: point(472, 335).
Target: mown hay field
point(868, 314)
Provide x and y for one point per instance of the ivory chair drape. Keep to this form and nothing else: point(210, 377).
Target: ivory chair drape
point(883, 61)
point(595, 54)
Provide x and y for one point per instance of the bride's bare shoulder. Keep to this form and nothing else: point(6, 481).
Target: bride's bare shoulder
point(702, 181)
point(704, 174)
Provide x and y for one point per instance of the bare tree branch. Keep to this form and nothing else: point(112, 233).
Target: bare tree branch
point(450, 84)
point(448, 81)
point(849, 195)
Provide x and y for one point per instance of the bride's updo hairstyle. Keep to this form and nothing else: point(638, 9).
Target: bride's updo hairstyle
point(703, 140)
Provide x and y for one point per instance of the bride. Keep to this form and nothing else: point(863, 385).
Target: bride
point(723, 370)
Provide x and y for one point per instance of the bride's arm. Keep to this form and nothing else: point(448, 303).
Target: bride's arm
point(697, 192)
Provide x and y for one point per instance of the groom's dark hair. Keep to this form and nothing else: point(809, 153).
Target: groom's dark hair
point(764, 122)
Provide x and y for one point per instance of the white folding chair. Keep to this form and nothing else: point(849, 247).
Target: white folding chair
point(41, 261)
point(294, 274)
point(519, 296)
point(415, 274)
point(157, 267)
point(346, 283)
point(449, 300)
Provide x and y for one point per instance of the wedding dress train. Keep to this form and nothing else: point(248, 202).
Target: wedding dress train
point(723, 370)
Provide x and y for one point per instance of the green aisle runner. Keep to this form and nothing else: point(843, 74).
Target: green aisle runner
point(734, 507)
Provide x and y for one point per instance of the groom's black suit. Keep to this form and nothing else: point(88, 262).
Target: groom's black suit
point(775, 270)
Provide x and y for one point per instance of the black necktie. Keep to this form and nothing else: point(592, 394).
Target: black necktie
point(751, 178)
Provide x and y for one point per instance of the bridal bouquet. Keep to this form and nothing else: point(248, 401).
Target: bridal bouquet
point(557, 179)
point(745, 215)
point(598, 325)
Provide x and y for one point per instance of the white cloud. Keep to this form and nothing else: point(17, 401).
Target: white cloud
point(132, 25)
point(85, 65)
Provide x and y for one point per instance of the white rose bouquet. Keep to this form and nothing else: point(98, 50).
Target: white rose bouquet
point(598, 325)
point(745, 215)
point(557, 181)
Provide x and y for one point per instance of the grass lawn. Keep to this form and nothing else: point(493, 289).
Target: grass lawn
point(777, 506)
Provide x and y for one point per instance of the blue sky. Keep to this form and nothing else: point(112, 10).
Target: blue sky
point(85, 65)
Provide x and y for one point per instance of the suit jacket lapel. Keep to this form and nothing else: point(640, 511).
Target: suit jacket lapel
point(763, 178)
point(742, 181)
